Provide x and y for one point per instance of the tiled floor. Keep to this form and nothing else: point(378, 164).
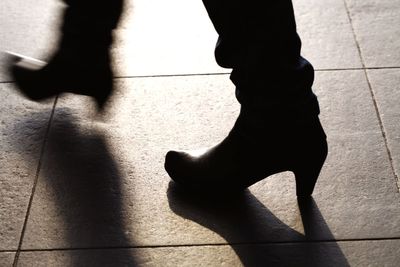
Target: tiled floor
point(79, 191)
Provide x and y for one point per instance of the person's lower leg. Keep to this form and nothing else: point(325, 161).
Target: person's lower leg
point(278, 127)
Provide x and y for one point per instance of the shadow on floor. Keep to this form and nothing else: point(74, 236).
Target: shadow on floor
point(257, 236)
point(81, 177)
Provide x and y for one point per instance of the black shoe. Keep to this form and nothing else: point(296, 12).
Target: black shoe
point(247, 156)
point(38, 80)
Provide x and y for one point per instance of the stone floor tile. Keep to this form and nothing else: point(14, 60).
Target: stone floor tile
point(372, 253)
point(353, 253)
point(103, 183)
point(345, 102)
point(21, 138)
point(376, 26)
point(6, 259)
point(326, 34)
point(385, 84)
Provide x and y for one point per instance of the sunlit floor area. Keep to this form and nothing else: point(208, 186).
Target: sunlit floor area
point(77, 189)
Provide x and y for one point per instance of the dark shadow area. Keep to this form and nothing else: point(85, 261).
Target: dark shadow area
point(257, 236)
point(81, 176)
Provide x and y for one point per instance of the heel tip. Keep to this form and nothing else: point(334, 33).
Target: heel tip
point(24, 61)
point(304, 196)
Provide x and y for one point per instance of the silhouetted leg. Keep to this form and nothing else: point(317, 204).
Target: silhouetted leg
point(81, 64)
point(88, 24)
point(259, 42)
point(278, 127)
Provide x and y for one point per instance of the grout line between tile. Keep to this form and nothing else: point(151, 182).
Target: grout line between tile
point(34, 184)
point(378, 113)
point(227, 73)
point(172, 75)
point(362, 68)
point(214, 244)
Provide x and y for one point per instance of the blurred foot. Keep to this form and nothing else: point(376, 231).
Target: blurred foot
point(38, 80)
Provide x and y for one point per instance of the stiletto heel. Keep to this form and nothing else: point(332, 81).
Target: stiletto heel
point(307, 174)
point(306, 180)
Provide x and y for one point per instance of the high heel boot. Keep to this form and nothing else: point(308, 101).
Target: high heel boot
point(252, 152)
point(79, 70)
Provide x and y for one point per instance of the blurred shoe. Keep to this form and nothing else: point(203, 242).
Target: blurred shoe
point(81, 75)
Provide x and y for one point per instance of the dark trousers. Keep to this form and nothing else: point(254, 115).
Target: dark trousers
point(259, 42)
point(88, 24)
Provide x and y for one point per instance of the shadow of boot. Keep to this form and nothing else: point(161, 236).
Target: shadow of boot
point(316, 228)
point(257, 236)
point(81, 193)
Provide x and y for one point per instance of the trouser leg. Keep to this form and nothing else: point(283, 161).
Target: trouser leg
point(258, 40)
point(87, 25)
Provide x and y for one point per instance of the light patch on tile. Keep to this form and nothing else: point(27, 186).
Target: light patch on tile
point(376, 27)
